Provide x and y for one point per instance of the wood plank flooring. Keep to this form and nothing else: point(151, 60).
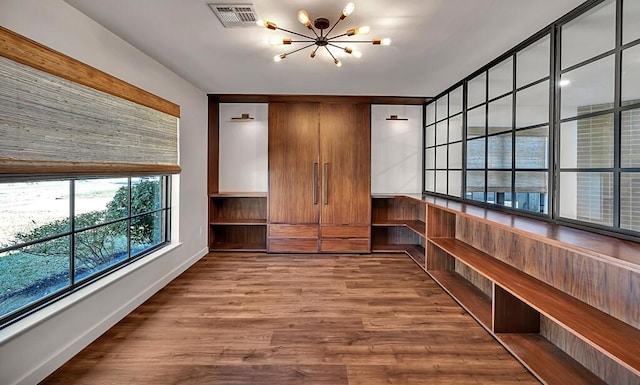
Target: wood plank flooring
point(238, 318)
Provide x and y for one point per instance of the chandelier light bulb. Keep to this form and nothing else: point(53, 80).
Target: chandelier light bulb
point(358, 31)
point(303, 18)
point(279, 41)
point(266, 24)
point(352, 52)
point(348, 10)
point(363, 30)
point(338, 63)
point(278, 58)
point(379, 41)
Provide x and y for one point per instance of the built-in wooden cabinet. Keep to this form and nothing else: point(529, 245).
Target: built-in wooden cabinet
point(319, 177)
point(238, 222)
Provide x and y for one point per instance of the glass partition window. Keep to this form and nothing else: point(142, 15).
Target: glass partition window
point(598, 169)
point(506, 146)
point(630, 21)
point(559, 113)
point(533, 62)
point(510, 134)
point(55, 235)
point(591, 34)
point(443, 145)
point(631, 75)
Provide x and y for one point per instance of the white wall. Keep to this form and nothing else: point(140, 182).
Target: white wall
point(35, 346)
point(396, 149)
point(243, 148)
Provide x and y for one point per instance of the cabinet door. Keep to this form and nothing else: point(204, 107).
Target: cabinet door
point(294, 169)
point(345, 155)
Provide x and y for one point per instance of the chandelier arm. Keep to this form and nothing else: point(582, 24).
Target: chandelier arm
point(327, 48)
point(334, 25)
point(300, 49)
point(337, 36)
point(337, 46)
point(351, 41)
point(296, 33)
point(313, 30)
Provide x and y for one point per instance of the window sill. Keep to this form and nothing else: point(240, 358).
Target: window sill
point(33, 320)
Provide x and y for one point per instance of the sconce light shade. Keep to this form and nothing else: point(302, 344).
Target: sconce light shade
point(242, 118)
point(395, 117)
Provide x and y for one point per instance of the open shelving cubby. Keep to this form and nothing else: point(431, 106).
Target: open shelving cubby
point(238, 222)
point(398, 225)
point(518, 309)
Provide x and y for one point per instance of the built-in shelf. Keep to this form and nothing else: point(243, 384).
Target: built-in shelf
point(541, 356)
point(238, 221)
point(602, 331)
point(417, 226)
point(248, 222)
point(258, 247)
point(472, 299)
point(398, 225)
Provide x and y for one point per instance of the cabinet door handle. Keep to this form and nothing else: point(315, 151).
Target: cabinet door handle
point(315, 183)
point(325, 176)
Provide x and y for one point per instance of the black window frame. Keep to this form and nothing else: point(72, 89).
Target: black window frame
point(553, 31)
point(165, 211)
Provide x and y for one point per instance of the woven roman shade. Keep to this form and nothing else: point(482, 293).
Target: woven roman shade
point(50, 125)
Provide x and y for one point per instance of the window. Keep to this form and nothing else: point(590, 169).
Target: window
point(58, 235)
point(443, 144)
point(598, 122)
point(567, 100)
point(507, 142)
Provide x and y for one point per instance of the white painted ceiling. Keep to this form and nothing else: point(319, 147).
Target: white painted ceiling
point(435, 42)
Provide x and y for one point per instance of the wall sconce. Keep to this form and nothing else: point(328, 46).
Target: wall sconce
point(395, 117)
point(242, 118)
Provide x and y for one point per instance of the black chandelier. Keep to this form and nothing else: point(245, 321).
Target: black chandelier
point(322, 39)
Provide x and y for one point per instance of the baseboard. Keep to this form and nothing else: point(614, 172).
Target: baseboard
point(65, 353)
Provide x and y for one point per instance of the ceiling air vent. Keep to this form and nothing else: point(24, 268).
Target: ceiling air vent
point(235, 15)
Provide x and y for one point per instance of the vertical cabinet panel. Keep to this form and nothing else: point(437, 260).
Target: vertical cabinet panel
point(293, 153)
point(345, 151)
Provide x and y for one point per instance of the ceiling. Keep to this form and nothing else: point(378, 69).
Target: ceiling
point(435, 42)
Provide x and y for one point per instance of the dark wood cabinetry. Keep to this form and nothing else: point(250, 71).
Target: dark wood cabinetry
point(319, 177)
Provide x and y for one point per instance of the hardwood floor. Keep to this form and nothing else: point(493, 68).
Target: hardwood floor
point(296, 319)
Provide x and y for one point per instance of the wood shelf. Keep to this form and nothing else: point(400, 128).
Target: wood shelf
point(550, 364)
point(417, 226)
point(233, 222)
point(238, 247)
point(389, 223)
point(472, 299)
point(239, 195)
point(612, 337)
point(390, 248)
point(238, 221)
point(416, 252)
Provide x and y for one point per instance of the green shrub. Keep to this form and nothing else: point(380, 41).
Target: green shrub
point(97, 247)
